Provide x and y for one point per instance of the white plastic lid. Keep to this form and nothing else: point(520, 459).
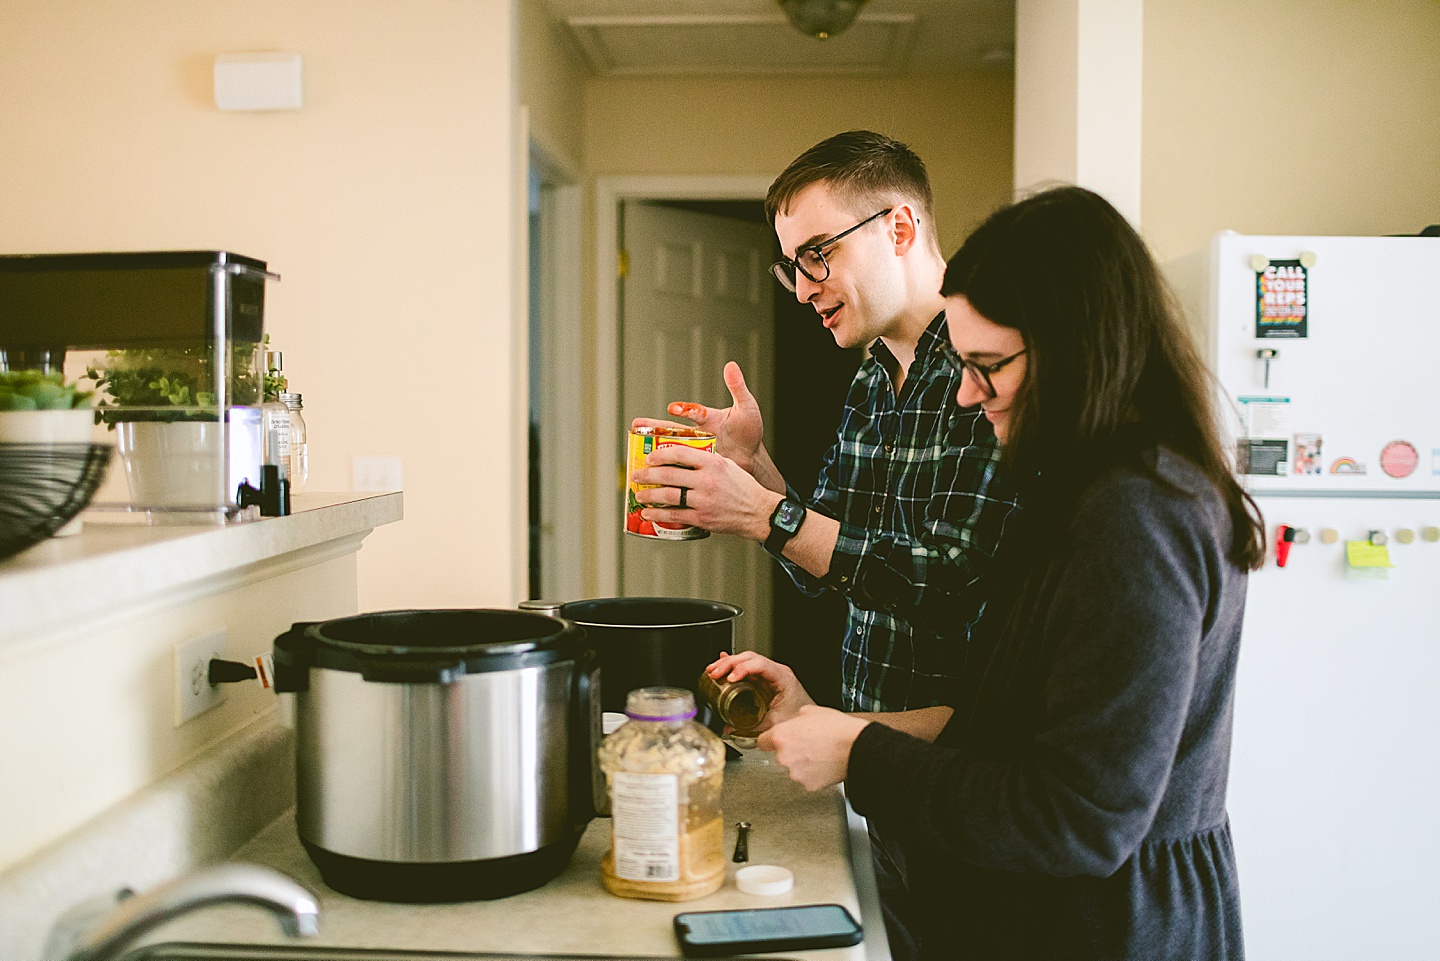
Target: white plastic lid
point(766, 879)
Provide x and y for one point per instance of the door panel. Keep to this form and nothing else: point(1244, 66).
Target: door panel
point(696, 295)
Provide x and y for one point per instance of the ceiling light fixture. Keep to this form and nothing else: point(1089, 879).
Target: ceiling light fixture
point(821, 19)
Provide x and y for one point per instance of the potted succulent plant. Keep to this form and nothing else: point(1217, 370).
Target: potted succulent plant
point(41, 408)
point(51, 420)
point(162, 404)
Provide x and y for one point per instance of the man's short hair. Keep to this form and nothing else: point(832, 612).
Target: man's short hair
point(864, 169)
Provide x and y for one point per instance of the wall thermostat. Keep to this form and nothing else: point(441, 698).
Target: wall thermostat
point(258, 81)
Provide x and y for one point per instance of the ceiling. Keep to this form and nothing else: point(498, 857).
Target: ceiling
point(632, 37)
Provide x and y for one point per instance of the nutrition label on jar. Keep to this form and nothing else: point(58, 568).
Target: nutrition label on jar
point(645, 810)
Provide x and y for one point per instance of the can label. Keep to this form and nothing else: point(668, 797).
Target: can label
point(643, 440)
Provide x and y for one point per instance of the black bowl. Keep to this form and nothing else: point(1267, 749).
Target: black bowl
point(43, 486)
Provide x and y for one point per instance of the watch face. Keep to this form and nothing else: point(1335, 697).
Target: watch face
point(790, 515)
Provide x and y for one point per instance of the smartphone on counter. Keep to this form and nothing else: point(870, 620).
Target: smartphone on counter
point(708, 934)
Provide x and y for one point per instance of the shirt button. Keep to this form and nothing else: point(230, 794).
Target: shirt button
point(844, 579)
point(889, 448)
point(878, 508)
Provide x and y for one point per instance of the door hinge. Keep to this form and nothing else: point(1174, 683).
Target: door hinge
point(624, 264)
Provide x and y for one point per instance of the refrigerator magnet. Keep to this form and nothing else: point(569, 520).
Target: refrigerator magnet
point(1347, 465)
point(1367, 560)
point(1399, 458)
point(1264, 417)
point(1282, 294)
point(1264, 457)
point(1307, 454)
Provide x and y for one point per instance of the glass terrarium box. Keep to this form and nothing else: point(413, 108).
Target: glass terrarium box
point(170, 342)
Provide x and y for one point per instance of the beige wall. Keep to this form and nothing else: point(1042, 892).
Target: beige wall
point(1289, 117)
point(90, 714)
point(552, 82)
point(386, 204)
point(959, 124)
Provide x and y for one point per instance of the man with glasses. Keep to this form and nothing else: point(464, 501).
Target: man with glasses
point(907, 511)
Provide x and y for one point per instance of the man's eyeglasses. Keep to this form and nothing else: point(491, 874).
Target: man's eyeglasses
point(810, 259)
point(980, 372)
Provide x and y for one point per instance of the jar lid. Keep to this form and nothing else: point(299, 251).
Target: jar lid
point(766, 879)
point(660, 704)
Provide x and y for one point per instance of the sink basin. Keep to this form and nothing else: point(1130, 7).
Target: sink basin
point(195, 951)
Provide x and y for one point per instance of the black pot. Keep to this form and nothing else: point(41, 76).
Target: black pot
point(652, 641)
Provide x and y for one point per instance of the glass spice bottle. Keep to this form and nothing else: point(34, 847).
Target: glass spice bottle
point(299, 465)
point(664, 773)
point(741, 704)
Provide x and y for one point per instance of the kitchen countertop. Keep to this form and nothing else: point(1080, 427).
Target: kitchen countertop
point(815, 835)
point(112, 565)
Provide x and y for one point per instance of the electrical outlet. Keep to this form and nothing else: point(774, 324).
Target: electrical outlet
point(194, 694)
point(377, 474)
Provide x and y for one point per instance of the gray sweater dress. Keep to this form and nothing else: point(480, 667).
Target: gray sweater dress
point(1074, 807)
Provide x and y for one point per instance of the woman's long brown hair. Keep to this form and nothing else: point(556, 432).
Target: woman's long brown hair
point(1109, 364)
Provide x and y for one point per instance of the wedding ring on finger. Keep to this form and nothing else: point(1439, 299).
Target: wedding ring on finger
point(683, 492)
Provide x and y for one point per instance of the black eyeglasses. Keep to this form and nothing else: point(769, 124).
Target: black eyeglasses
point(810, 259)
point(981, 372)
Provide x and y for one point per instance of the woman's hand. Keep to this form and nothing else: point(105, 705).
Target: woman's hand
point(789, 694)
point(814, 746)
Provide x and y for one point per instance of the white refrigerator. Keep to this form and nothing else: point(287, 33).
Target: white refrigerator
point(1327, 351)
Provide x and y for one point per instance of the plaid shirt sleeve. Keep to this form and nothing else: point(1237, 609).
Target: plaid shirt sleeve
point(914, 489)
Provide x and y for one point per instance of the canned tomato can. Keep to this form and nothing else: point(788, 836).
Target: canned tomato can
point(642, 441)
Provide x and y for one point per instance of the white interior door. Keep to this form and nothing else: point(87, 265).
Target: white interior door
point(696, 294)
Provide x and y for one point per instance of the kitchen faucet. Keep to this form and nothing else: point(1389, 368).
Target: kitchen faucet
point(88, 933)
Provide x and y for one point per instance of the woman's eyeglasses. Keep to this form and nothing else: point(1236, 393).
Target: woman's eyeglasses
point(980, 372)
point(810, 260)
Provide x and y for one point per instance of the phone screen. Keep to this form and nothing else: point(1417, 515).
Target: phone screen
point(806, 921)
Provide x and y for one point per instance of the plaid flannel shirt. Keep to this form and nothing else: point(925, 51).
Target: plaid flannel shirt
point(911, 479)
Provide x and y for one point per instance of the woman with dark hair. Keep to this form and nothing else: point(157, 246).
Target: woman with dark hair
point(1072, 804)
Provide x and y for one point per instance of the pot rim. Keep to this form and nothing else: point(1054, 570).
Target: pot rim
point(644, 601)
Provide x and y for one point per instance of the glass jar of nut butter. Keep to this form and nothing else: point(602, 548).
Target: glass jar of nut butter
point(663, 772)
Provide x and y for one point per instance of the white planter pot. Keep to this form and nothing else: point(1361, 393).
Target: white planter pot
point(175, 465)
point(46, 426)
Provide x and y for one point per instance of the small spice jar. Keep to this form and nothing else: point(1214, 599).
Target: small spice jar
point(664, 773)
point(741, 704)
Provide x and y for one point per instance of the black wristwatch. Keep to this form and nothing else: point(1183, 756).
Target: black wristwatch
point(784, 523)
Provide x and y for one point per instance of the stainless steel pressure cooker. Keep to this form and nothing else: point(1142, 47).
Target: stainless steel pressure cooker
point(441, 755)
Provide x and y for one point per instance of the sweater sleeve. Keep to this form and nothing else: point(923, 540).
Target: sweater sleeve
point(1121, 639)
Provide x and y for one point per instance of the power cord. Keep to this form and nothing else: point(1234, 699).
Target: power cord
point(228, 672)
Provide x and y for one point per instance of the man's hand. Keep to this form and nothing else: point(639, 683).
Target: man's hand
point(814, 746)
point(719, 496)
point(739, 430)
